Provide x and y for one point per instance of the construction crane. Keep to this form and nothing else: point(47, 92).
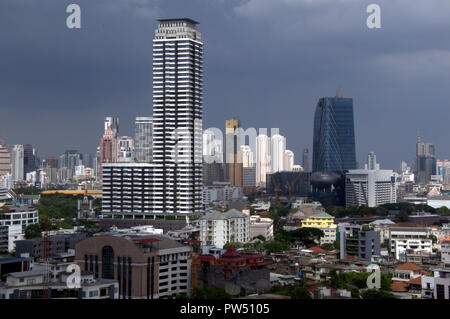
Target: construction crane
point(47, 251)
point(276, 188)
point(291, 185)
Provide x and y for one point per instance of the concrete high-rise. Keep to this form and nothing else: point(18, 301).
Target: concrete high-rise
point(372, 162)
point(29, 159)
point(5, 160)
point(108, 149)
point(177, 117)
point(305, 160)
point(263, 159)
point(143, 133)
point(425, 161)
point(288, 160)
point(233, 161)
point(17, 158)
point(278, 149)
point(334, 135)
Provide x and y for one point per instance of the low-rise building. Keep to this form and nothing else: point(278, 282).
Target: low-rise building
point(23, 215)
point(261, 226)
point(234, 271)
point(324, 222)
point(438, 285)
point(37, 284)
point(217, 229)
point(408, 239)
point(358, 242)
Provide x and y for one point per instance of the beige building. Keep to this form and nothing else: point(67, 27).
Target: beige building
point(261, 226)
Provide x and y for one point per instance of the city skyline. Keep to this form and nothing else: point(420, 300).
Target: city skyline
point(89, 95)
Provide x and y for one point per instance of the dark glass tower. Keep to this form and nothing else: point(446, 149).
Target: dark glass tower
point(334, 136)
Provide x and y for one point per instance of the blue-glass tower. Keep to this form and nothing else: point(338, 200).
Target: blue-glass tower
point(334, 135)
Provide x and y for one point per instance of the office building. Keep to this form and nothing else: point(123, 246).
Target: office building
point(249, 179)
point(177, 117)
point(437, 286)
point(425, 161)
point(334, 136)
point(29, 159)
point(143, 135)
point(220, 193)
point(248, 159)
point(113, 124)
point(217, 229)
point(213, 172)
point(146, 267)
point(370, 188)
point(70, 159)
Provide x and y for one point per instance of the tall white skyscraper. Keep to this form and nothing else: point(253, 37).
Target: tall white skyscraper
point(277, 152)
point(143, 132)
point(212, 147)
point(17, 163)
point(263, 158)
point(177, 117)
point(288, 160)
point(247, 156)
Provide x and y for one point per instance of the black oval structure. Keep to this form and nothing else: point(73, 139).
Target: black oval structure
point(324, 179)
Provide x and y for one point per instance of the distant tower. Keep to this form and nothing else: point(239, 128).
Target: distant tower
point(372, 161)
point(305, 160)
point(232, 149)
point(143, 134)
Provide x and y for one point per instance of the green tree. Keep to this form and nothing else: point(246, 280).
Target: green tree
point(33, 231)
point(377, 294)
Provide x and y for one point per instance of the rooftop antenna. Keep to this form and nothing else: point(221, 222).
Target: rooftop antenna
point(339, 91)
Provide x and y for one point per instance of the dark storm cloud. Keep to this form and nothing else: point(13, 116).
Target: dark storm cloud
point(266, 61)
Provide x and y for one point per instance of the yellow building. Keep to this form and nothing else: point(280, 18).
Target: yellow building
point(324, 222)
point(320, 220)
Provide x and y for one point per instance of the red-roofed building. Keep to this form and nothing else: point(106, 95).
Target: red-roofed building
point(234, 269)
point(316, 250)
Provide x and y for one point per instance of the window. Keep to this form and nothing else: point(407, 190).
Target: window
point(107, 262)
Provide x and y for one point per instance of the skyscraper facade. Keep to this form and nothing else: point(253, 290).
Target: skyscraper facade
point(263, 159)
point(17, 163)
point(372, 161)
point(29, 159)
point(143, 133)
point(278, 149)
point(5, 160)
point(233, 161)
point(305, 160)
point(425, 161)
point(334, 135)
point(177, 117)
point(288, 161)
point(108, 149)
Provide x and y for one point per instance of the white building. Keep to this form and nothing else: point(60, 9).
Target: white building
point(220, 192)
point(370, 188)
point(247, 156)
point(143, 134)
point(288, 161)
point(445, 251)
point(17, 158)
point(409, 239)
point(19, 215)
point(263, 159)
point(438, 285)
point(278, 153)
point(217, 229)
point(177, 117)
point(261, 226)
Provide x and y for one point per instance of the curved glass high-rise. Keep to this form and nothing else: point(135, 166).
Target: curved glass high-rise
point(334, 135)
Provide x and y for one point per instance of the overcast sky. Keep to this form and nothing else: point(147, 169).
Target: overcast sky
point(265, 61)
